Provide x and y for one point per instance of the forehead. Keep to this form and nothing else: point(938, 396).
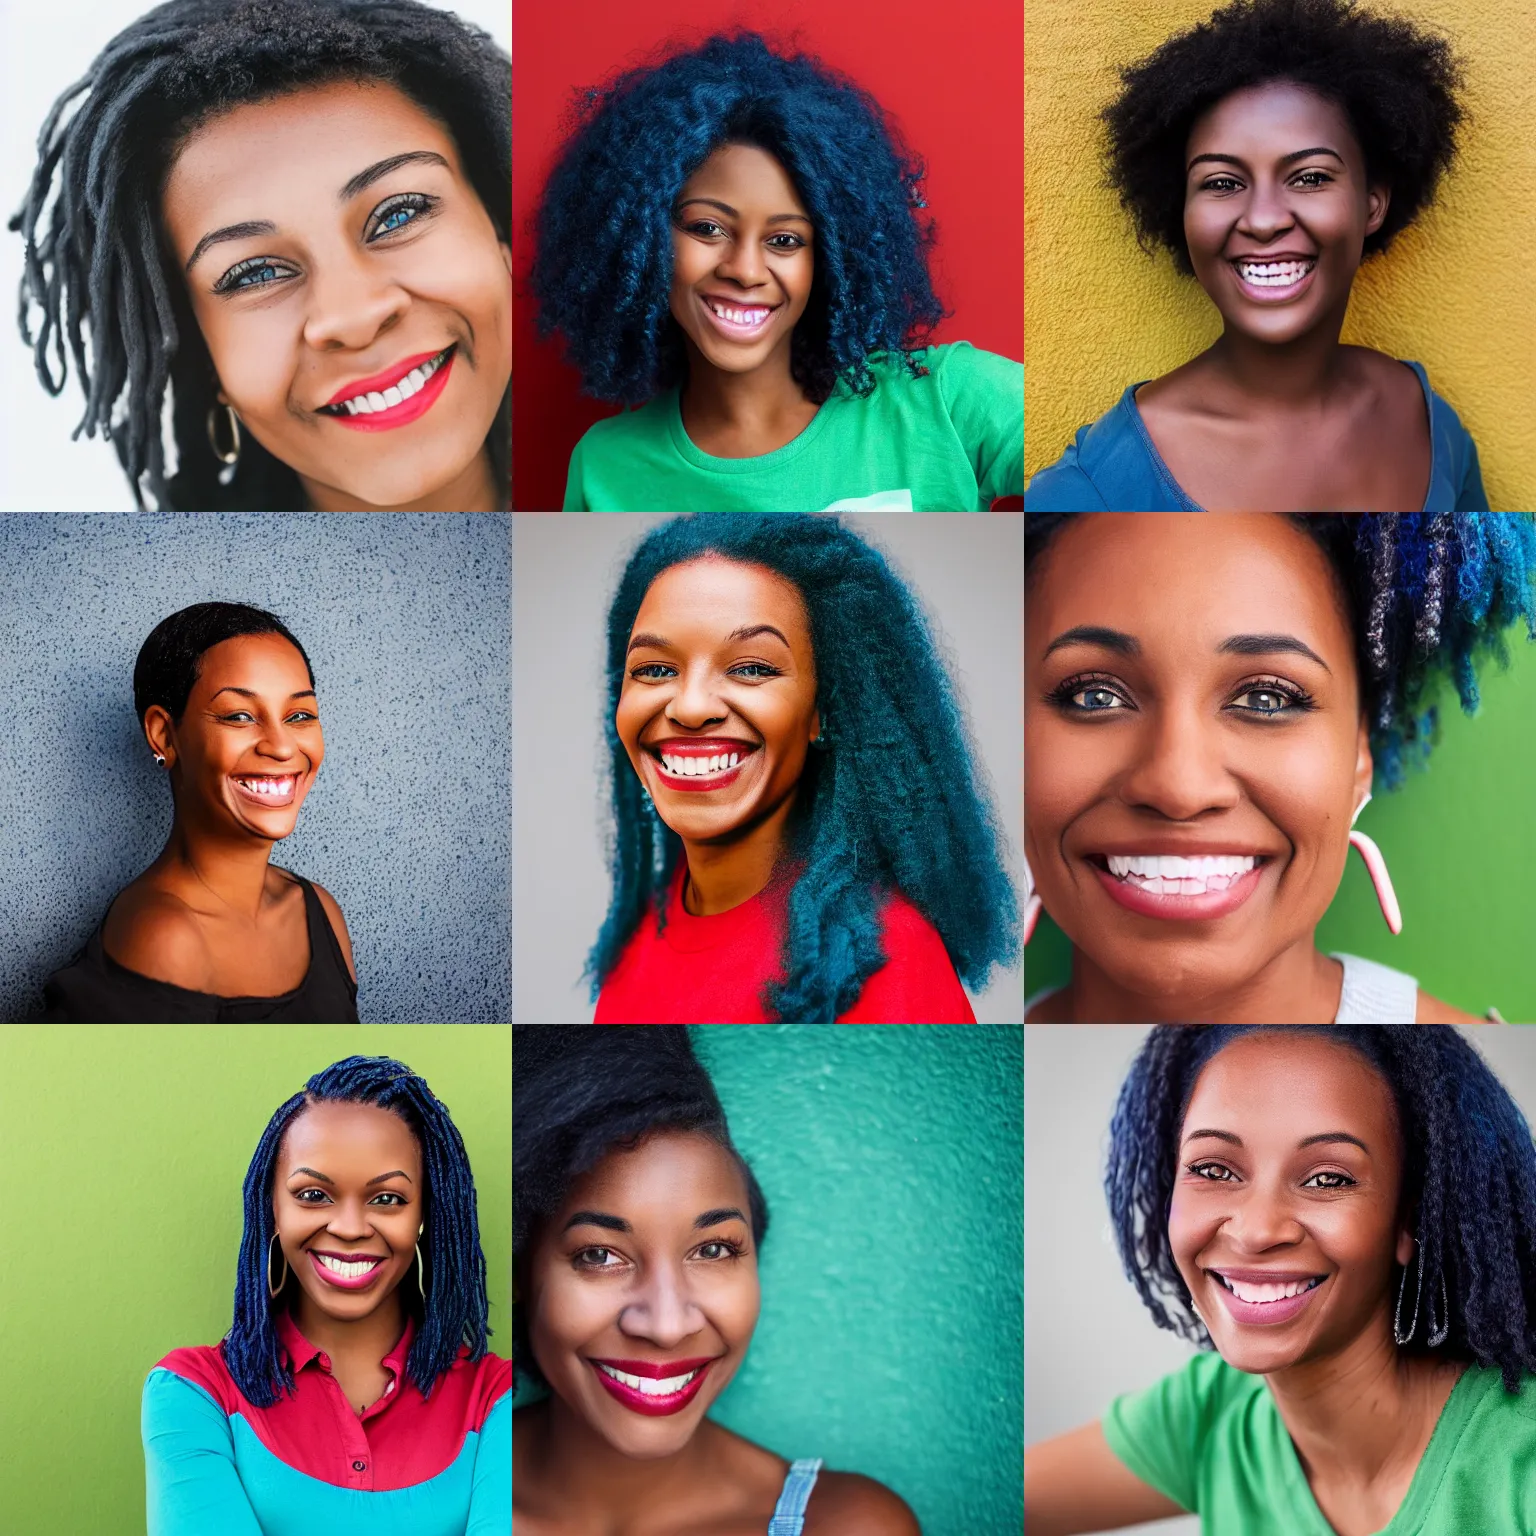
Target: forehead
point(1275, 1088)
point(716, 595)
point(1183, 582)
point(288, 157)
point(263, 663)
point(1260, 122)
point(744, 176)
point(669, 1178)
point(347, 1140)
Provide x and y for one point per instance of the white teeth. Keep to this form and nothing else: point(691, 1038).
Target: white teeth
point(663, 1388)
point(1274, 274)
point(735, 758)
point(1163, 874)
point(694, 767)
point(1246, 1290)
point(392, 396)
point(349, 1271)
point(272, 788)
point(739, 316)
point(365, 405)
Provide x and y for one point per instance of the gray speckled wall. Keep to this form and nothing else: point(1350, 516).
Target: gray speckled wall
point(405, 618)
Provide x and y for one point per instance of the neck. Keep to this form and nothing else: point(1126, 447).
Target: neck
point(1299, 986)
point(723, 874)
point(363, 1342)
point(232, 868)
point(759, 402)
point(1359, 1417)
point(473, 489)
point(1304, 375)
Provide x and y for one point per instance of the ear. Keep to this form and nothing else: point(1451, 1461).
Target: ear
point(1365, 769)
point(160, 734)
point(1377, 200)
point(1404, 1251)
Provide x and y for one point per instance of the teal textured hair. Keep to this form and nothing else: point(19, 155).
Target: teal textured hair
point(897, 803)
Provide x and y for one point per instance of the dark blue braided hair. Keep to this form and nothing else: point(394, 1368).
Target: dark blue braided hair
point(454, 1310)
point(1430, 595)
point(896, 802)
point(1469, 1181)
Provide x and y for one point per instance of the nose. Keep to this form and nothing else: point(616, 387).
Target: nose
point(351, 303)
point(662, 1309)
point(1261, 1218)
point(1178, 770)
point(347, 1222)
point(277, 742)
point(695, 703)
point(1266, 213)
point(743, 264)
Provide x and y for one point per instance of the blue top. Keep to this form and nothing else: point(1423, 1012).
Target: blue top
point(1114, 466)
point(789, 1516)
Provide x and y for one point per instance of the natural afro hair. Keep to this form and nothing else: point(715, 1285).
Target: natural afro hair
point(1428, 596)
point(579, 1093)
point(1396, 82)
point(602, 270)
point(98, 265)
point(1468, 1187)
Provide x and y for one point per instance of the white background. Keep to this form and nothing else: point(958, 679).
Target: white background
point(45, 46)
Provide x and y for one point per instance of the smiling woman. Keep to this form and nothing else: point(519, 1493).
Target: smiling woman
point(1345, 1222)
point(212, 931)
point(322, 281)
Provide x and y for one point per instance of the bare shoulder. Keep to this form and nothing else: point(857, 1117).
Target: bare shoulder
point(338, 924)
point(1431, 1010)
point(158, 935)
point(849, 1504)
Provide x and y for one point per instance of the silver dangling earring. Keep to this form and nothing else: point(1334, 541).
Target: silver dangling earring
point(1436, 1336)
point(228, 457)
point(271, 1289)
point(421, 1284)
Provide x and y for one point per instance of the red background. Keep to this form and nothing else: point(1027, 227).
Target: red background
point(951, 76)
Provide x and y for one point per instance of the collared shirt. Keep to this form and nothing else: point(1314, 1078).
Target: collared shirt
point(407, 1466)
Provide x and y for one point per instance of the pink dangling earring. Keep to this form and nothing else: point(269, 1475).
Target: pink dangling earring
point(1377, 866)
point(1032, 903)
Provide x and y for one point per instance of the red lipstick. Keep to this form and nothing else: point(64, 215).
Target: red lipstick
point(651, 1404)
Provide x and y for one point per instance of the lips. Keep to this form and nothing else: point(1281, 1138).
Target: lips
point(742, 320)
point(357, 1272)
point(392, 399)
point(1286, 280)
point(699, 763)
point(270, 791)
point(1195, 888)
point(1262, 1303)
point(688, 1376)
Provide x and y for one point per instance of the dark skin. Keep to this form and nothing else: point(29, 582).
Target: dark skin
point(667, 1288)
point(1190, 745)
point(1359, 1411)
point(342, 288)
point(1276, 414)
point(708, 681)
point(212, 914)
point(348, 1182)
point(741, 235)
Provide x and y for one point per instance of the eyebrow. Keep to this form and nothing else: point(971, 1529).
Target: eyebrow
point(778, 218)
point(364, 178)
point(746, 632)
point(1306, 1141)
point(1299, 154)
point(246, 693)
point(1233, 645)
point(394, 1173)
point(617, 1223)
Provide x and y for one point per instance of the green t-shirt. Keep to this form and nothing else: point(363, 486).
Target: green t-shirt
point(952, 441)
point(1211, 1438)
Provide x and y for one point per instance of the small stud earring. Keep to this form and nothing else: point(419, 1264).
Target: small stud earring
point(1386, 897)
point(159, 761)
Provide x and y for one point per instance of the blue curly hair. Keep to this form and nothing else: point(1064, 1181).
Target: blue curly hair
point(1469, 1181)
point(1430, 596)
point(897, 803)
point(602, 271)
point(454, 1310)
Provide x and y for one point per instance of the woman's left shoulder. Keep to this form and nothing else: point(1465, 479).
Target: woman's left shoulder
point(338, 925)
point(1430, 1010)
point(849, 1504)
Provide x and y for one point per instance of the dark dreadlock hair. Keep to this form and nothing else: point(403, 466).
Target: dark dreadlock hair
point(102, 261)
point(1428, 595)
point(1396, 82)
point(454, 1311)
point(171, 658)
point(1469, 1182)
point(577, 1094)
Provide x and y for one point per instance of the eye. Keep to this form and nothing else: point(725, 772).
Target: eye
point(1216, 183)
point(795, 242)
point(1212, 1173)
point(1089, 695)
point(245, 275)
point(596, 1258)
point(302, 714)
point(760, 667)
point(388, 1194)
point(301, 1195)
point(1344, 1180)
point(240, 716)
point(649, 672)
point(705, 227)
point(1274, 697)
point(395, 213)
point(727, 1250)
point(1322, 177)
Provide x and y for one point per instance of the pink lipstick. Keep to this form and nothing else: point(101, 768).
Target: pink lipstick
point(347, 1282)
point(1261, 1313)
point(1211, 904)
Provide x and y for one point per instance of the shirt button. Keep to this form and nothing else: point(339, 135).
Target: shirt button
point(359, 1466)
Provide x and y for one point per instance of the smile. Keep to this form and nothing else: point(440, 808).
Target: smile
point(350, 1275)
point(1274, 282)
point(270, 790)
point(1180, 886)
point(700, 765)
point(653, 1395)
point(1256, 1303)
point(740, 322)
point(393, 399)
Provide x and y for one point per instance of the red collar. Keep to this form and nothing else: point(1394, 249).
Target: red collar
point(301, 1352)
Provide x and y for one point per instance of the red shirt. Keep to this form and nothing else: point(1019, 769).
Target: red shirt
point(712, 970)
point(397, 1442)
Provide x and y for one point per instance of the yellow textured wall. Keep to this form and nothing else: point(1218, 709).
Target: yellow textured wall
point(1456, 291)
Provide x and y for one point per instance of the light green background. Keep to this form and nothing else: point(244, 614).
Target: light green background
point(891, 1336)
point(124, 1148)
point(1459, 838)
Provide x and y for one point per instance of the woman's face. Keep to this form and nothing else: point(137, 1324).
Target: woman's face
point(719, 665)
point(346, 1193)
point(248, 745)
point(1290, 1170)
point(647, 1271)
point(335, 251)
point(742, 258)
point(1276, 171)
point(1192, 695)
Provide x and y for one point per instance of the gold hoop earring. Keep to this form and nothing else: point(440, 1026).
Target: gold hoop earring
point(271, 1290)
point(230, 455)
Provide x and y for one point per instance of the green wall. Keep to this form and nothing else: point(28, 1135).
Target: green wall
point(1459, 837)
point(891, 1338)
point(124, 1148)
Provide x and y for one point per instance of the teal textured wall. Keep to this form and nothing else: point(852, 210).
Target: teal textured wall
point(891, 1338)
point(125, 1147)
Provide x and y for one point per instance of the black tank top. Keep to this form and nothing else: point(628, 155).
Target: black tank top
point(94, 989)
